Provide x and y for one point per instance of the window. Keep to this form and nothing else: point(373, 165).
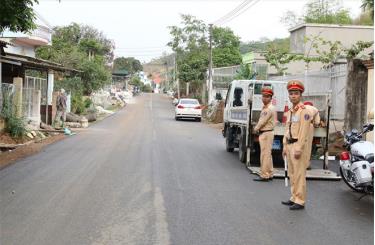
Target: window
point(258, 88)
point(189, 102)
point(238, 97)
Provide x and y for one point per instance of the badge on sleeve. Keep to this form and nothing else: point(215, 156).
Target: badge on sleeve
point(307, 117)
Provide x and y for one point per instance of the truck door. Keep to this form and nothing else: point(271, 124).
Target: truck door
point(227, 103)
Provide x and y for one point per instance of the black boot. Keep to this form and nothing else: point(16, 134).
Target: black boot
point(296, 206)
point(287, 203)
point(261, 179)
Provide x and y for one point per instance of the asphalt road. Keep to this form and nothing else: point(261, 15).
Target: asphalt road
point(140, 177)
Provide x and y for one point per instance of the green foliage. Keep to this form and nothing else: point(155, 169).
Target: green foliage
point(368, 5)
point(327, 53)
point(263, 44)
point(226, 47)
point(146, 88)
point(357, 48)
point(365, 18)
point(135, 81)
point(70, 84)
point(17, 16)
point(88, 102)
point(325, 12)
point(279, 58)
point(14, 125)
point(94, 75)
point(78, 104)
point(246, 72)
point(190, 43)
point(130, 64)
point(71, 46)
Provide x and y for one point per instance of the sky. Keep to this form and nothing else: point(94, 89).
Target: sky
point(140, 28)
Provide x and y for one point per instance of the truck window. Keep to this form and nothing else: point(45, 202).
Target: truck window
point(258, 88)
point(238, 97)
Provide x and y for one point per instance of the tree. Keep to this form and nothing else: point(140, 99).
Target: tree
point(130, 64)
point(321, 12)
point(191, 46)
point(279, 58)
point(190, 43)
point(17, 16)
point(368, 5)
point(76, 47)
point(326, 12)
point(365, 18)
point(136, 81)
point(226, 47)
point(264, 44)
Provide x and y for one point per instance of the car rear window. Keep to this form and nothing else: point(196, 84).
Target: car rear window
point(189, 102)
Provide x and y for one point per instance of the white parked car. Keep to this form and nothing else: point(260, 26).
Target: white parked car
point(188, 108)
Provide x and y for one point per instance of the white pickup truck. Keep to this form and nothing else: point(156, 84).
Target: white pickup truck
point(243, 106)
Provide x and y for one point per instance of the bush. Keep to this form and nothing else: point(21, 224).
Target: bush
point(88, 103)
point(78, 105)
point(14, 125)
point(146, 88)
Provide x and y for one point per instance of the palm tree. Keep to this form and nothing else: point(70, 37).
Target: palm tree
point(368, 5)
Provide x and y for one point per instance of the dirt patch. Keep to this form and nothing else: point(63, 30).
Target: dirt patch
point(6, 139)
point(218, 126)
point(7, 158)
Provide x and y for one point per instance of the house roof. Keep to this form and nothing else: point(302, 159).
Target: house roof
point(121, 72)
point(304, 25)
point(33, 62)
point(4, 43)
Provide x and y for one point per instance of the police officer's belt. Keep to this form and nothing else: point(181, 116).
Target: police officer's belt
point(291, 141)
point(261, 132)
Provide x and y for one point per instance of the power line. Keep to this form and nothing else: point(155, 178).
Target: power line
point(240, 9)
point(142, 48)
point(243, 11)
point(235, 10)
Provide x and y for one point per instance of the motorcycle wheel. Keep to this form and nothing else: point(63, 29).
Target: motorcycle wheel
point(349, 183)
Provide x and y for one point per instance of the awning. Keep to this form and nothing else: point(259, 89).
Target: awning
point(30, 62)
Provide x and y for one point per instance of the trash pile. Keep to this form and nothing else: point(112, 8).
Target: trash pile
point(108, 99)
point(214, 112)
point(104, 102)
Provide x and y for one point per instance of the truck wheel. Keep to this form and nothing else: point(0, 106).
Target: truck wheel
point(242, 148)
point(228, 141)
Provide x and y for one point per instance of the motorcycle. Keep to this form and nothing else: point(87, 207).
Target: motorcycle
point(357, 163)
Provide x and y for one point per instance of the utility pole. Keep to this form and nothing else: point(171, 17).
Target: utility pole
point(166, 85)
point(210, 66)
point(176, 76)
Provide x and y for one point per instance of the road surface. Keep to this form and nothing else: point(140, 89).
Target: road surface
point(140, 177)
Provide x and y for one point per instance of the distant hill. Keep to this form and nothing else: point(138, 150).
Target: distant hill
point(263, 44)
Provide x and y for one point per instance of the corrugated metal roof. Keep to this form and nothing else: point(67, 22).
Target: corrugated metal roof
point(34, 62)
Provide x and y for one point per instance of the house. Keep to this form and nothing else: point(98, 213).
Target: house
point(346, 34)
point(30, 79)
